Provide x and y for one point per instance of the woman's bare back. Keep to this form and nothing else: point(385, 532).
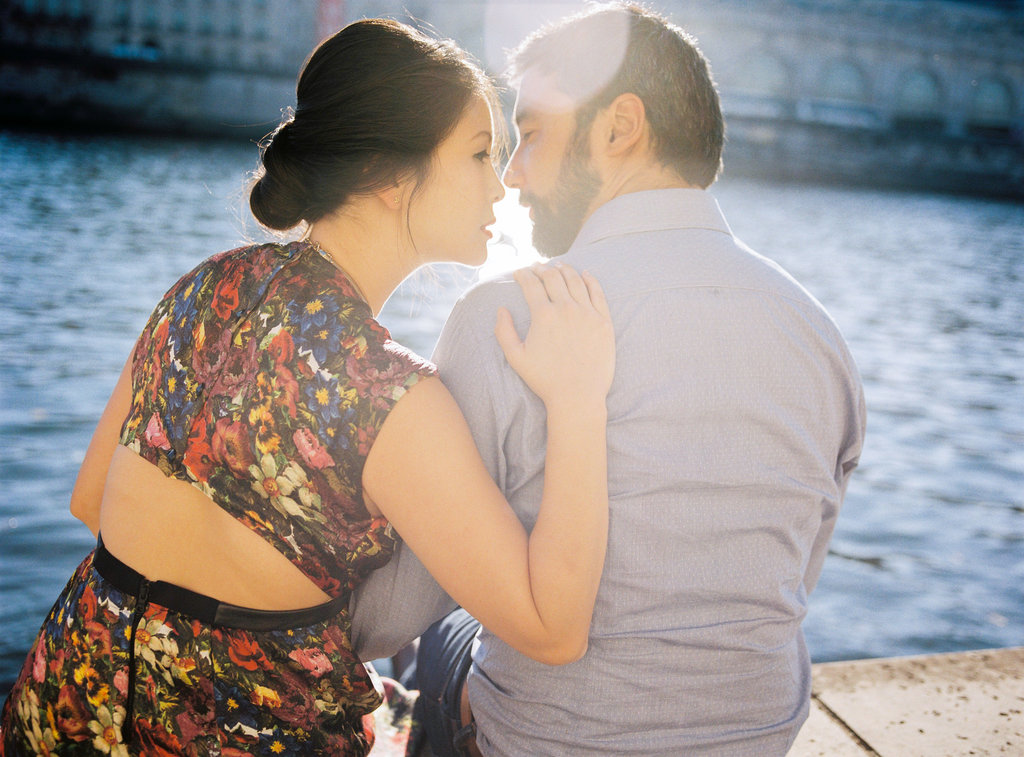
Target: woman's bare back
point(170, 531)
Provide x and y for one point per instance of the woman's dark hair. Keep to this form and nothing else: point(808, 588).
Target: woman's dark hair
point(373, 102)
point(659, 63)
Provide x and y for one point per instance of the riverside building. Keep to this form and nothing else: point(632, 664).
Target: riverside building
point(920, 93)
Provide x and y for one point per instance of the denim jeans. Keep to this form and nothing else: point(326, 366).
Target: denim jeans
point(442, 664)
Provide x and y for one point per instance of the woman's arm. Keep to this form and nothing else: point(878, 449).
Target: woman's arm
point(535, 591)
point(92, 475)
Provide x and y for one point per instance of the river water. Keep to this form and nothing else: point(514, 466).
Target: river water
point(928, 555)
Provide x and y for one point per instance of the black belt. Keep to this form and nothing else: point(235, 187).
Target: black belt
point(195, 605)
point(204, 608)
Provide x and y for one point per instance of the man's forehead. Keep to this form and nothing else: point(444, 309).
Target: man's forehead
point(538, 94)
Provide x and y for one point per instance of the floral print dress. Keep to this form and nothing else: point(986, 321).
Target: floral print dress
point(262, 379)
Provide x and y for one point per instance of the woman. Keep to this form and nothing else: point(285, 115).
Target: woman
point(267, 441)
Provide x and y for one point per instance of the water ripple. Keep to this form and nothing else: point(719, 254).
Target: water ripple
point(927, 554)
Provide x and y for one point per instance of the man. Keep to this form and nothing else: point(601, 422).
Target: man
point(735, 419)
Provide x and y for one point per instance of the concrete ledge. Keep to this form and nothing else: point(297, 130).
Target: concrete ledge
point(964, 703)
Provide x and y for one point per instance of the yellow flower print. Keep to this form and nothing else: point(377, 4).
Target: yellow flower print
point(200, 336)
point(96, 691)
point(106, 729)
point(261, 695)
point(357, 345)
point(181, 667)
point(262, 420)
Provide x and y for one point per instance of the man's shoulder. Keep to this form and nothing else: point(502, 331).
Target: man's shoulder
point(478, 305)
point(468, 333)
point(497, 290)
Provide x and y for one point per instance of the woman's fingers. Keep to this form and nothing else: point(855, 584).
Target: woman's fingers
point(534, 291)
point(569, 350)
point(574, 284)
point(596, 294)
point(561, 282)
point(554, 282)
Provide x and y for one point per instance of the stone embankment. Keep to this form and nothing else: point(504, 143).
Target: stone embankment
point(964, 703)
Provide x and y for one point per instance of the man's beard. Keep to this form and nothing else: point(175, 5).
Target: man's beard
point(558, 218)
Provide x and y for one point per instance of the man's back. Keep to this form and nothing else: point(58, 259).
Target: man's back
point(735, 417)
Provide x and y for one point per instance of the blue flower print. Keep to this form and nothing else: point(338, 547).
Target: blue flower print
point(278, 743)
point(236, 707)
point(319, 327)
point(183, 312)
point(180, 391)
point(342, 440)
point(323, 398)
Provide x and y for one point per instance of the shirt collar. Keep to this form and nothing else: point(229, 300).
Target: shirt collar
point(653, 210)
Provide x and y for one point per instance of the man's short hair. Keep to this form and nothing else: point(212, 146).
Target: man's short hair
point(660, 63)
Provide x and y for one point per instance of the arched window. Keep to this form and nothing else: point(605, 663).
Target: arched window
point(765, 74)
point(991, 103)
point(919, 95)
point(152, 18)
point(180, 18)
point(843, 80)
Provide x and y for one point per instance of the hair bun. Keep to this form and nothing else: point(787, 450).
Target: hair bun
point(278, 198)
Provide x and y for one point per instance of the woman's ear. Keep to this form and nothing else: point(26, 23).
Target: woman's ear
point(392, 197)
point(626, 124)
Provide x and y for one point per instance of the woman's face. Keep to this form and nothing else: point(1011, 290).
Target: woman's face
point(451, 210)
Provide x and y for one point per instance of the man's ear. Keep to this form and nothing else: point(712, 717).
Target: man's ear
point(626, 124)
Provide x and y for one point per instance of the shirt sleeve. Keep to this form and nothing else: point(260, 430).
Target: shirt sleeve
point(401, 600)
point(849, 458)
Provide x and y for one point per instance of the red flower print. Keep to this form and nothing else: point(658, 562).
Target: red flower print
point(72, 716)
point(153, 740)
point(87, 604)
point(313, 660)
point(318, 574)
point(334, 640)
point(236, 365)
point(121, 681)
point(192, 723)
point(382, 383)
point(99, 636)
point(155, 435)
point(225, 296)
point(246, 653)
point(288, 389)
point(365, 439)
point(199, 456)
point(39, 663)
point(231, 447)
point(311, 450)
point(298, 704)
point(282, 348)
point(57, 661)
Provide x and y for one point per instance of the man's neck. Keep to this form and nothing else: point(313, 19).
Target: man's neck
point(642, 177)
point(633, 179)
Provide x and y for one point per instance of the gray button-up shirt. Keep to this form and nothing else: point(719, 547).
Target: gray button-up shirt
point(735, 419)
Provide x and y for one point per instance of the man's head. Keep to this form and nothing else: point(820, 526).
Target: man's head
point(612, 100)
